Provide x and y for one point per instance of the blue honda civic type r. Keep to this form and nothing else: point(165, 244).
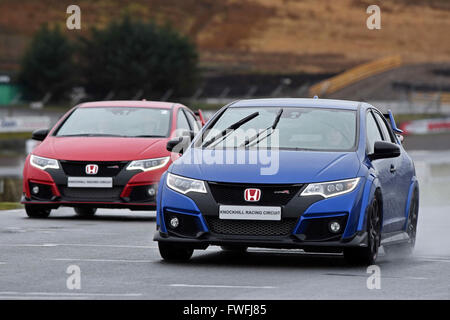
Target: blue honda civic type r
point(316, 174)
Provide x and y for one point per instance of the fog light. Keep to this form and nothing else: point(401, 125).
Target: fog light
point(151, 191)
point(35, 190)
point(174, 222)
point(334, 226)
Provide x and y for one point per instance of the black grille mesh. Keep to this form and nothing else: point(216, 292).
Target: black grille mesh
point(105, 169)
point(271, 194)
point(92, 194)
point(251, 227)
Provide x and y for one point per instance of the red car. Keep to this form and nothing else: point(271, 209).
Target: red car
point(108, 154)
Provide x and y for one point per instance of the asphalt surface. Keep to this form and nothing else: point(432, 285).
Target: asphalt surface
point(119, 260)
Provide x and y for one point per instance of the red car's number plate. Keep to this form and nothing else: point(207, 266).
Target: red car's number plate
point(90, 182)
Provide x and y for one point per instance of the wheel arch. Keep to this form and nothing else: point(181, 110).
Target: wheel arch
point(413, 187)
point(372, 189)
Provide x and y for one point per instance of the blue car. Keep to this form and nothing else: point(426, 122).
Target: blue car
point(316, 174)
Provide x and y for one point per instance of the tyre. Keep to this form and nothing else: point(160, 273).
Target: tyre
point(85, 212)
point(174, 252)
point(234, 249)
point(368, 255)
point(36, 211)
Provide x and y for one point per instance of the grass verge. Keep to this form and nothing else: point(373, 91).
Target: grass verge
point(15, 135)
point(10, 205)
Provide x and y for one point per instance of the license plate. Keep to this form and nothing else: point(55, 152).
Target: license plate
point(90, 182)
point(250, 213)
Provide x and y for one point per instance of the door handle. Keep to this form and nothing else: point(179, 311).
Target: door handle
point(393, 169)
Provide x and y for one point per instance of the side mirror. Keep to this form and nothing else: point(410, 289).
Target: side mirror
point(178, 144)
point(383, 150)
point(40, 134)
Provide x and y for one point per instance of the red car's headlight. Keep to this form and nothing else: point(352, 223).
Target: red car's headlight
point(148, 164)
point(43, 163)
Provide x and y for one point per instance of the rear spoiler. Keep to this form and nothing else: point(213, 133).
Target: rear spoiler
point(200, 117)
point(390, 117)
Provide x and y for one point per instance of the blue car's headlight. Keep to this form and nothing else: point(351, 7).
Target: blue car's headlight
point(184, 185)
point(43, 163)
point(148, 164)
point(330, 189)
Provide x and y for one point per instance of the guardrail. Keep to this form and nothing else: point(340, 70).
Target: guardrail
point(426, 126)
point(353, 75)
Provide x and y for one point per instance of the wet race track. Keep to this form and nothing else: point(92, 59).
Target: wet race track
point(119, 260)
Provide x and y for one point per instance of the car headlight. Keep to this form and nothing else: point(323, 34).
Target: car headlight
point(330, 189)
point(184, 185)
point(148, 164)
point(43, 163)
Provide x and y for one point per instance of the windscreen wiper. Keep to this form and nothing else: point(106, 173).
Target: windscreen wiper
point(226, 132)
point(272, 128)
point(146, 136)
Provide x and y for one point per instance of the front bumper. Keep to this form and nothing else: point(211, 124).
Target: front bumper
point(61, 202)
point(130, 189)
point(304, 220)
point(290, 242)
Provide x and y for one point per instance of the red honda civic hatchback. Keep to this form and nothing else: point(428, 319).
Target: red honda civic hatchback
point(108, 154)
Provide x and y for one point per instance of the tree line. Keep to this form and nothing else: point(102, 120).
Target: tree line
point(126, 59)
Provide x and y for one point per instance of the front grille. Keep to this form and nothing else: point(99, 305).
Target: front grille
point(105, 168)
point(251, 227)
point(271, 194)
point(90, 194)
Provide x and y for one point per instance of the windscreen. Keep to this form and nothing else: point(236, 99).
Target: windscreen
point(117, 121)
point(315, 129)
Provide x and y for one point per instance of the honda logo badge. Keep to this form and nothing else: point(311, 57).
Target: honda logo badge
point(91, 169)
point(252, 195)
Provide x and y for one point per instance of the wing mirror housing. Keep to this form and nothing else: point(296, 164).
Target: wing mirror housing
point(40, 134)
point(384, 150)
point(178, 144)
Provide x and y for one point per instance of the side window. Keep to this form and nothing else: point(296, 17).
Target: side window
point(182, 122)
point(192, 121)
point(384, 129)
point(373, 134)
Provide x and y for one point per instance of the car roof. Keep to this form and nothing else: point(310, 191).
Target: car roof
point(128, 103)
point(298, 102)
